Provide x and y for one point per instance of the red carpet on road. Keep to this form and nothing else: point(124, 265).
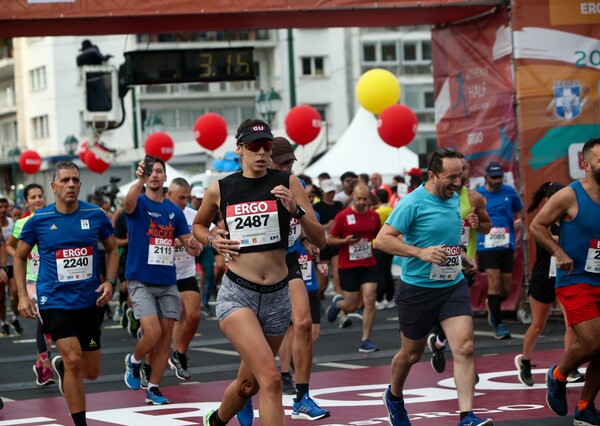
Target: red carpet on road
point(352, 396)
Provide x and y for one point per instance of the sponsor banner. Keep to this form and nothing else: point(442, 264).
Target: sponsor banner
point(557, 59)
point(474, 92)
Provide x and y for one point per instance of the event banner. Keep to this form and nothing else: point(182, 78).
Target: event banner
point(557, 72)
point(474, 105)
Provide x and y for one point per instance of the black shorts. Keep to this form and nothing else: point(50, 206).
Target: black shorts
point(542, 290)
point(10, 272)
point(420, 308)
point(293, 265)
point(315, 306)
point(188, 284)
point(496, 259)
point(328, 252)
point(81, 323)
point(352, 278)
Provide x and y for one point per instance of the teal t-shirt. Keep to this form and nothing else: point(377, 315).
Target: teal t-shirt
point(426, 220)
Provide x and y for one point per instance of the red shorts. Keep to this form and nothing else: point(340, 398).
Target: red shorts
point(581, 302)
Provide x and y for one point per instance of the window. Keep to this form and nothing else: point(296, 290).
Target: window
point(421, 99)
point(322, 110)
point(410, 52)
point(7, 96)
point(313, 66)
point(8, 132)
point(381, 54)
point(40, 127)
point(37, 79)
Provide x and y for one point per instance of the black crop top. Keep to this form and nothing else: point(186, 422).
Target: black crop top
point(252, 214)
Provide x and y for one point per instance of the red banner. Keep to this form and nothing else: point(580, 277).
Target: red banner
point(474, 93)
point(81, 17)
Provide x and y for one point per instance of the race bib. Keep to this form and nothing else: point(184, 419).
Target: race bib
point(74, 264)
point(295, 229)
point(451, 268)
point(33, 263)
point(592, 263)
point(181, 254)
point(498, 237)
point(360, 250)
point(465, 233)
point(306, 267)
point(161, 251)
point(254, 223)
point(552, 270)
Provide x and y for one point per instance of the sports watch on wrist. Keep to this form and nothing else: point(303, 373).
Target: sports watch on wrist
point(299, 212)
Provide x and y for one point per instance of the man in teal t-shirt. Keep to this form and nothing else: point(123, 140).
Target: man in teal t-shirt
point(425, 229)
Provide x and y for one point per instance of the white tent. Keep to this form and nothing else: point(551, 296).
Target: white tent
point(172, 173)
point(361, 150)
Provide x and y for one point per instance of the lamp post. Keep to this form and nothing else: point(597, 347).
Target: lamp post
point(267, 104)
point(13, 158)
point(71, 143)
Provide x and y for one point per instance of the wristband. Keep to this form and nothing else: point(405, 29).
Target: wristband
point(210, 239)
point(112, 281)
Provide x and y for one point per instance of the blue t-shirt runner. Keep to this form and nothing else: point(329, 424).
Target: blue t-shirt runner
point(69, 270)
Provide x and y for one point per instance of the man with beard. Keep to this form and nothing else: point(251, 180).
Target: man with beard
point(496, 249)
point(577, 252)
point(153, 223)
point(432, 287)
point(475, 221)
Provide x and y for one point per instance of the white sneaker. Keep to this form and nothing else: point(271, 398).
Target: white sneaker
point(390, 304)
point(380, 306)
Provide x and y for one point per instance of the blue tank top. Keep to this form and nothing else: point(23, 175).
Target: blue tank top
point(580, 239)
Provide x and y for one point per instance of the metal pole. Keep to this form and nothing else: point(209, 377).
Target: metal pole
point(292, 73)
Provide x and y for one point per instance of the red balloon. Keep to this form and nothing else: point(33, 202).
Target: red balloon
point(30, 161)
point(94, 163)
point(397, 125)
point(303, 124)
point(210, 131)
point(83, 149)
point(160, 145)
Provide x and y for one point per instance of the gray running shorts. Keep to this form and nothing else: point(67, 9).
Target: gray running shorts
point(273, 309)
point(149, 299)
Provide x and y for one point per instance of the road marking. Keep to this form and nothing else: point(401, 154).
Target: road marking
point(26, 421)
point(216, 351)
point(341, 365)
point(24, 341)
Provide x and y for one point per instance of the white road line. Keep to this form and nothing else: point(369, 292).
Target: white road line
point(340, 365)
point(216, 351)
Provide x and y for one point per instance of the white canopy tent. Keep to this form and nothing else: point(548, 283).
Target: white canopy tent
point(361, 150)
point(172, 173)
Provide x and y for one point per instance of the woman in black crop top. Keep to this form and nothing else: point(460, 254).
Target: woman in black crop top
point(253, 305)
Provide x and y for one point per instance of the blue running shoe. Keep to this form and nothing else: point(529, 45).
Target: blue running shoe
point(556, 396)
point(155, 397)
point(245, 416)
point(587, 417)
point(397, 414)
point(472, 420)
point(132, 373)
point(367, 346)
point(307, 409)
point(333, 311)
point(502, 332)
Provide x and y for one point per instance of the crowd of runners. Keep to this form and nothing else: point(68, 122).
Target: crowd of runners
point(270, 246)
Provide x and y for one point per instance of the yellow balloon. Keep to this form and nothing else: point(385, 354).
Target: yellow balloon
point(377, 89)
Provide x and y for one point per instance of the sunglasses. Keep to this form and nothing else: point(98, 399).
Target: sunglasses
point(255, 146)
